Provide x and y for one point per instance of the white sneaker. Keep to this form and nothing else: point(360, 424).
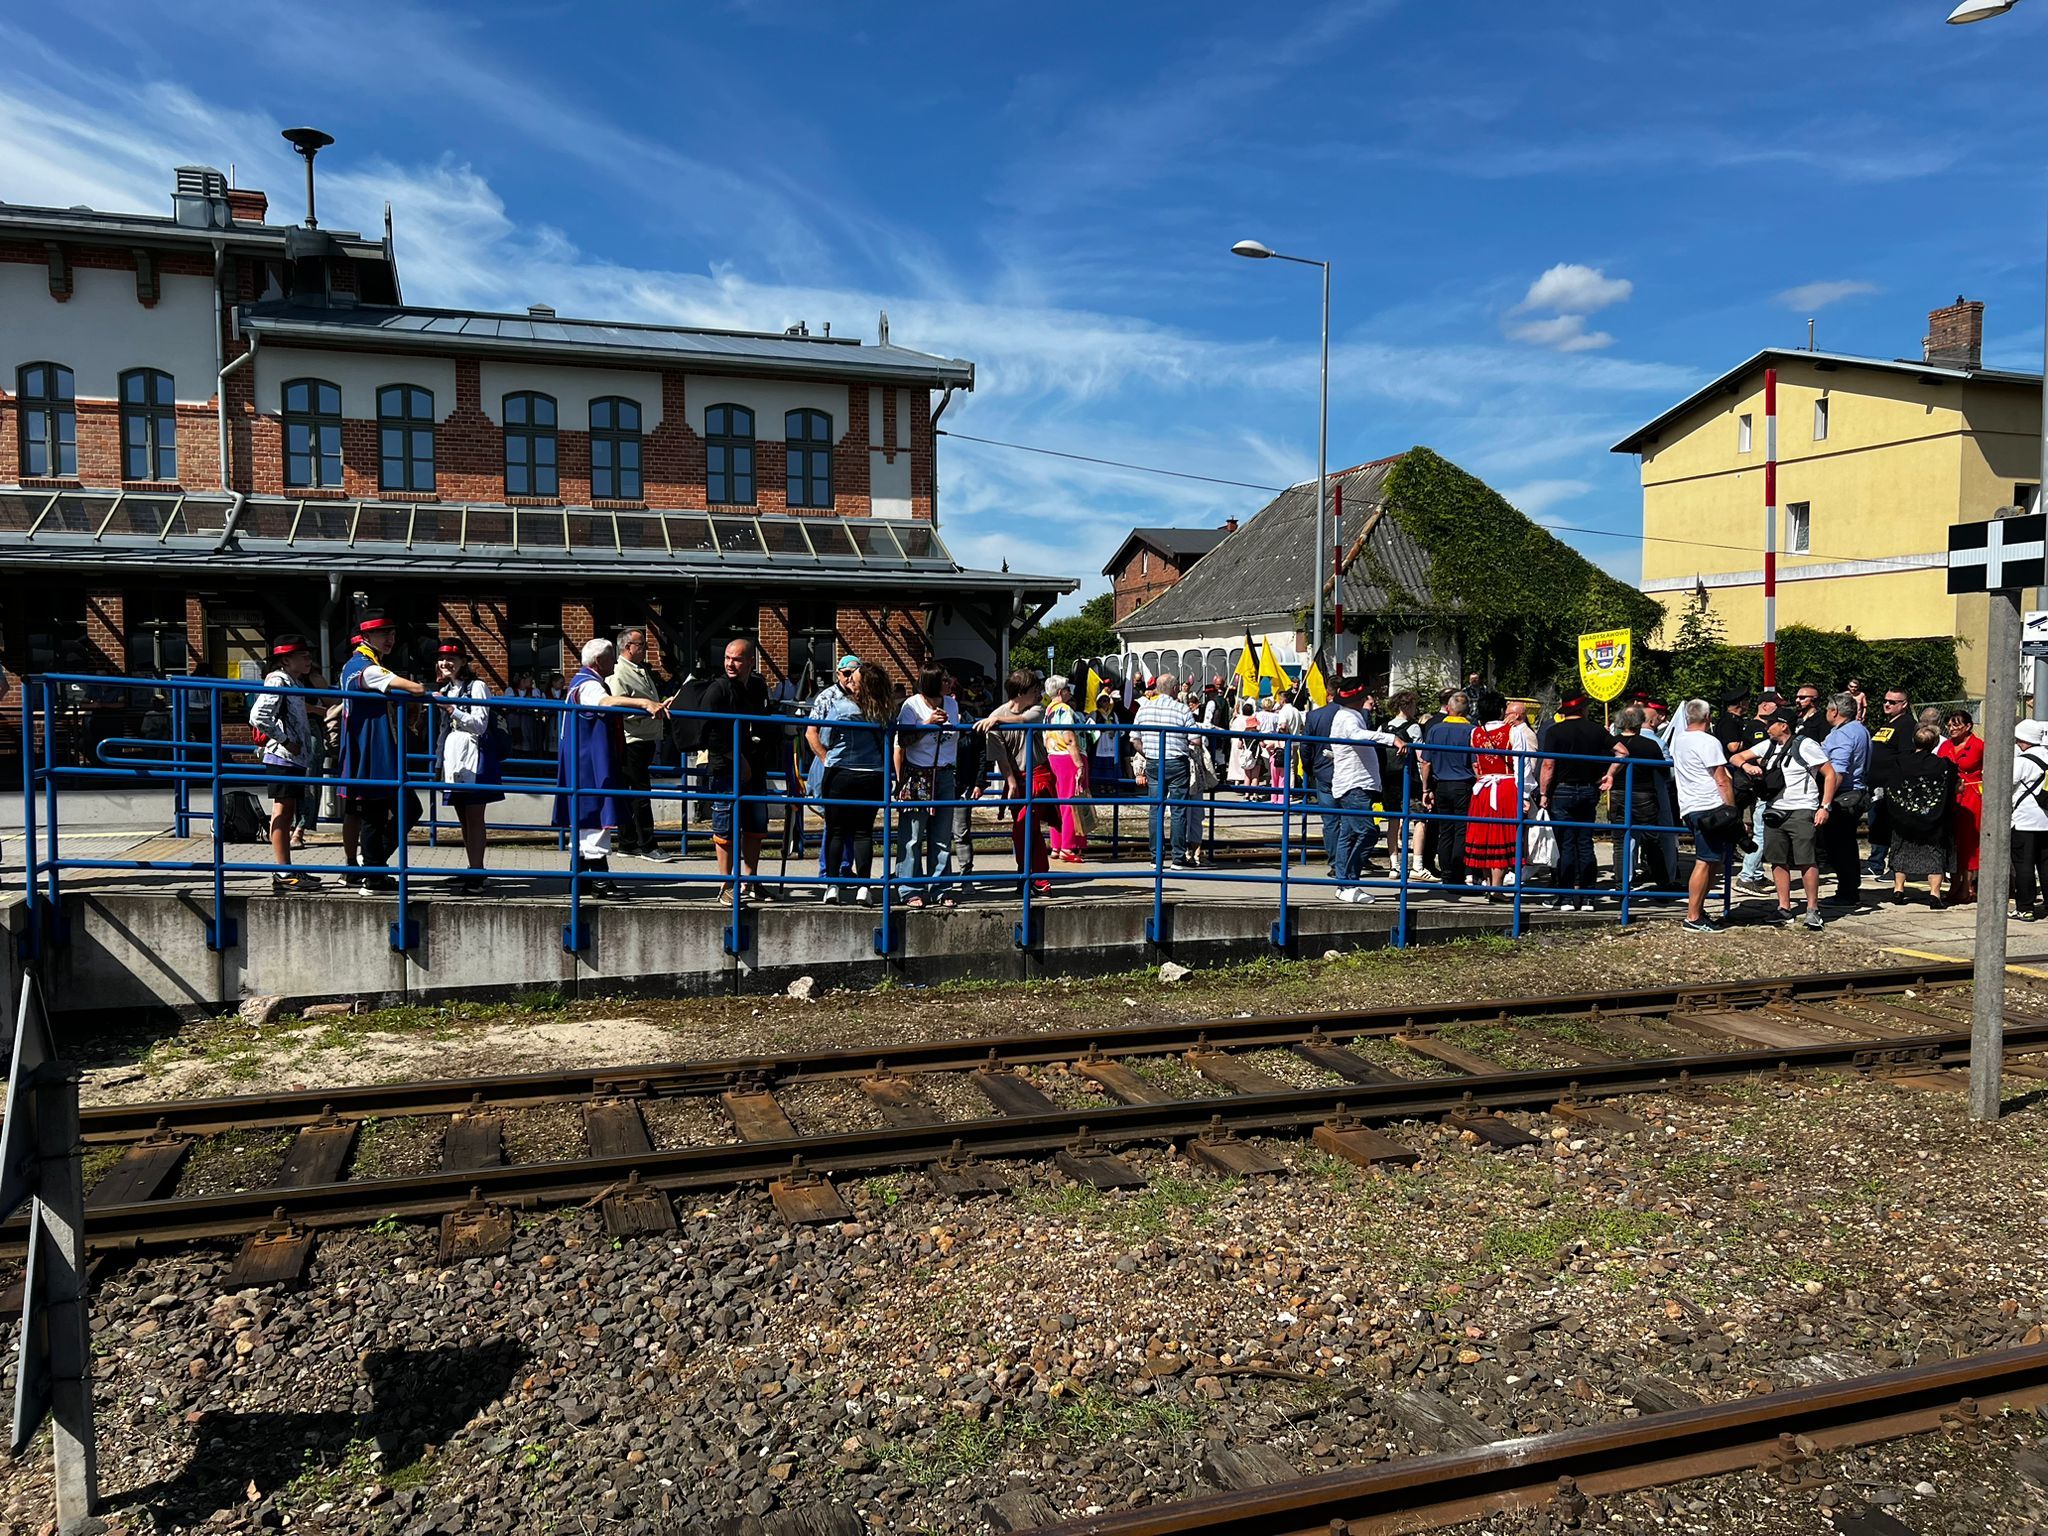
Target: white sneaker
point(864, 896)
point(1347, 893)
point(831, 895)
point(1361, 895)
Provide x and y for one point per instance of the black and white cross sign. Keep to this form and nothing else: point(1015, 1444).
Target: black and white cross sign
point(2000, 555)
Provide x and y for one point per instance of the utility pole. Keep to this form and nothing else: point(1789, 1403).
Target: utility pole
point(1994, 855)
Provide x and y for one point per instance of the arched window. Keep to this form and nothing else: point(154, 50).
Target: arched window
point(312, 435)
point(405, 438)
point(615, 449)
point(149, 426)
point(49, 421)
point(809, 435)
point(530, 445)
point(729, 455)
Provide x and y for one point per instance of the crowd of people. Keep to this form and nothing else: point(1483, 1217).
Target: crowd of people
point(1775, 792)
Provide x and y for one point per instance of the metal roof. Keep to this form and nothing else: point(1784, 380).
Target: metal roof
point(1259, 575)
point(1933, 372)
point(91, 226)
point(179, 530)
point(527, 335)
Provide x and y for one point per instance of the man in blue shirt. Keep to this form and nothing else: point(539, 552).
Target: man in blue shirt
point(1445, 762)
point(1847, 745)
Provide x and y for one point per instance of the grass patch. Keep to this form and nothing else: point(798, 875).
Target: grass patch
point(958, 1447)
point(1604, 1229)
point(884, 1191)
point(1701, 1171)
point(1170, 1200)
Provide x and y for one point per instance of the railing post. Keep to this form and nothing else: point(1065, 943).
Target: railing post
point(884, 937)
point(1155, 927)
point(31, 944)
point(1625, 871)
point(1400, 934)
point(573, 936)
point(404, 932)
point(735, 928)
point(220, 931)
point(181, 793)
point(1521, 866)
point(1021, 845)
point(437, 728)
point(1278, 933)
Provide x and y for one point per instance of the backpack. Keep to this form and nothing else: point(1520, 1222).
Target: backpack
point(242, 817)
point(688, 733)
point(2040, 789)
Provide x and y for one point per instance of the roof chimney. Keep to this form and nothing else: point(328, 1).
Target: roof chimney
point(247, 206)
point(1955, 334)
point(1230, 525)
point(541, 311)
point(199, 197)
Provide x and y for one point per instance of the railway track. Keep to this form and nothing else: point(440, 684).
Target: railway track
point(1778, 1434)
point(1849, 1021)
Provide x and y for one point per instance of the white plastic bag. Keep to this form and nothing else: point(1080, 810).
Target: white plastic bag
point(1542, 841)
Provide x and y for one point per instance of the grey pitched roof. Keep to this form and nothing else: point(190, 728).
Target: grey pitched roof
point(478, 331)
point(27, 221)
point(1178, 542)
point(1933, 373)
point(1259, 575)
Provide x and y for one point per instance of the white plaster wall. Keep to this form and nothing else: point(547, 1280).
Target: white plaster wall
point(906, 401)
point(573, 388)
point(875, 416)
point(768, 399)
point(889, 484)
point(102, 330)
point(358, 375)
point(1428, 660)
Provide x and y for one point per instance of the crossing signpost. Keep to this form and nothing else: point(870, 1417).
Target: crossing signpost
point(2000, 557)
point(39, 1166)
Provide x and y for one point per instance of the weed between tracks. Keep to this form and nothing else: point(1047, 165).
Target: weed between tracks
point(959, 1446)
point(1170, 1200)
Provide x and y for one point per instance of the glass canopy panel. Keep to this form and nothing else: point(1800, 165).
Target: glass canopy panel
point(785, 538)
point(542, 530)
point(211, 517)
point(873, 543)
point(263, 519)
point(917, 541)
point(486, 526)
point(334, 520)
point(736, 535)
point(592, 530)
point(690, 535)
point(435, 523)
point(640, 532)
point(75, 514)
point(139, 516)
point(19, 510)
point(384, 524)
point(832, 540)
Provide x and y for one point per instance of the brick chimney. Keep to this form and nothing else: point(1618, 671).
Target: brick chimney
point(1955, 335)
point(247, 206)
point(1230, 525)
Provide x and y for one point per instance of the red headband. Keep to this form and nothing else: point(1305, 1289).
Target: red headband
point(369, 626)
point(450, 650)
point(287, 649)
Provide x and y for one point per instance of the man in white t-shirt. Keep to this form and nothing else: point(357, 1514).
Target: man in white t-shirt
point(2029, 821)
point(1792, 817)
point(1699, 772)
point(1355, 784)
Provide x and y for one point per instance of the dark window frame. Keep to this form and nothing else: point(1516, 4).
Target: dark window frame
point(412, 421)
point(807, 438)
point(154, 419)
point(320, 419)
point(532, 449)
point(729, 456)
point(613, 442)
point(54, 405)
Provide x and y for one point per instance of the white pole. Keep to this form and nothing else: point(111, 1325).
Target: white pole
point(1315, 636)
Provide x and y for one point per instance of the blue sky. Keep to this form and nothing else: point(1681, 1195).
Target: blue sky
point(1547, 222)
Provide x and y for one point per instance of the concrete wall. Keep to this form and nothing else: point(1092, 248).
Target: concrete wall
point(145, 953)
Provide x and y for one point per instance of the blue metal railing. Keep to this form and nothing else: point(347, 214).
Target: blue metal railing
point(1028, 800)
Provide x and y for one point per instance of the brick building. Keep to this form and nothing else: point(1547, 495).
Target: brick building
point(1152, 559)
point(215, 428)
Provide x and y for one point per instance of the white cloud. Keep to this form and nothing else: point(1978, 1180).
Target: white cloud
point(1561, 333)
point(1537, 497)
point(1572, 289)
point(1819, 295)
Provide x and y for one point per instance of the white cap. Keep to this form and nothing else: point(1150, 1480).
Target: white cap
point(2033, 732)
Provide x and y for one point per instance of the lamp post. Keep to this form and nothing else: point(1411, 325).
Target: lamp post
point(1258, 252)
point(1994, 843)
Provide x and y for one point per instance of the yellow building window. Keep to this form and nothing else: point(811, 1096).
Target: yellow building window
point(1742, 433)
point(1799, 528)
point(1820, 419)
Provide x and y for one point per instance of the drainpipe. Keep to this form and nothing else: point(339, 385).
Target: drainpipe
point(944, 401)
point(234, 517)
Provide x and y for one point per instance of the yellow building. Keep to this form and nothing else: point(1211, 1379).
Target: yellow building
point(1876, 459)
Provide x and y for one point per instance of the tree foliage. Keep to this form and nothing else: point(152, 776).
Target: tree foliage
point(1091, 632)
point(1517, 596)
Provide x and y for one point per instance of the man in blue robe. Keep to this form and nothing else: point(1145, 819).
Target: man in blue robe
point(371, 742)
point(592, 760)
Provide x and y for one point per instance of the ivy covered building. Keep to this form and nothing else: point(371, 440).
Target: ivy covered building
point(1440, 576)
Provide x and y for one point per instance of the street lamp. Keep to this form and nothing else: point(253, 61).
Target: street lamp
point(1259, 252)
point(1978, 10)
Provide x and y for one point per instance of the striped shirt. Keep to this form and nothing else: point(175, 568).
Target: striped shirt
point(1156, 711)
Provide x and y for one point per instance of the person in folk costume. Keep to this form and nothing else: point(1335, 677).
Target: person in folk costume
point(592, 758)
point(472, 754)
point(371, 748)
point(1490, 828)
point(1962, 746)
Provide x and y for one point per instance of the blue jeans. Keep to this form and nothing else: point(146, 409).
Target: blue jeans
point(1183, 823)
point(1577, 869)
point(1356, 832)
point(924, 837)
point(1333, 824)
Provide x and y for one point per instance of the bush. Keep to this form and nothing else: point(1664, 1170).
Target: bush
point(1700, 664)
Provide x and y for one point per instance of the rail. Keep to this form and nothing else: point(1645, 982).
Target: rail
point(868, 771)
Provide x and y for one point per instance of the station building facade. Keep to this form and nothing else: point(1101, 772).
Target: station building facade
point(214, 427)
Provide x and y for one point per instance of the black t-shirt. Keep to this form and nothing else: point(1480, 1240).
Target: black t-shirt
point(1645, 783)
point(1891, 738)
point(1580, 737)
point(1732, 731)
point(747, 697)
point(1815, 728)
